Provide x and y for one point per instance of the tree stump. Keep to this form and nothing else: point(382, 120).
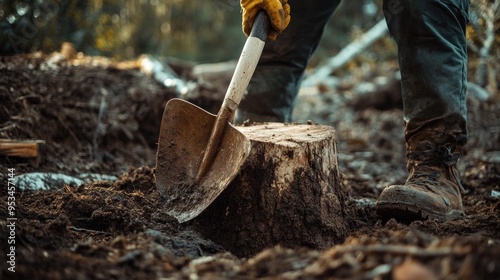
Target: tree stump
point(288, 192)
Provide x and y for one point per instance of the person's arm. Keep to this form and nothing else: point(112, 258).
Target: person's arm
point(278, 12)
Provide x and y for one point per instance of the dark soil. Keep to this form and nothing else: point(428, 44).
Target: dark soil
point(98, 116)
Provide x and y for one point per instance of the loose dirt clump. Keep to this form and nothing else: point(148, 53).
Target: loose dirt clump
point(98, 116)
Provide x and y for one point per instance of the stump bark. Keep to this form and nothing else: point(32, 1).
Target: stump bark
point(288, 192)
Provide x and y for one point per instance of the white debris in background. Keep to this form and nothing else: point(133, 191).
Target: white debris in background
point(364, 202)
point(495, 194)
point(39, 181)
point(165, 75)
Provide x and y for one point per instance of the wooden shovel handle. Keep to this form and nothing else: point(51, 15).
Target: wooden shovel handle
point(241, 77)
point(247, 62)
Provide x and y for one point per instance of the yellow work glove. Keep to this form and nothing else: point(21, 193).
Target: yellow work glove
point(277, 10)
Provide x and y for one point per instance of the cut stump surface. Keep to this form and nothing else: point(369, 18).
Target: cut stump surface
point(288, 192)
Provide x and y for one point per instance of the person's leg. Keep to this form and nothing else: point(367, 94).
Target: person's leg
point(430, 35)
point(274, 86)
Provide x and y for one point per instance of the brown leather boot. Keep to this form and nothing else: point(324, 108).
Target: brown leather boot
point(432, 190)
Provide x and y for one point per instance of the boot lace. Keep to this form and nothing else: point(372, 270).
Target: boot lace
point(422, 162)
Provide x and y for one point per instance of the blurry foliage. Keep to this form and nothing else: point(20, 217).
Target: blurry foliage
point(201, 31)
point(197, 30)
point(483, 39)
point(204, 31)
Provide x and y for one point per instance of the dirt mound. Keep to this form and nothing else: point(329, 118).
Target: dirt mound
point(94, 116)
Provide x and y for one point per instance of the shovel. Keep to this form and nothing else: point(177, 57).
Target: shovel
point(199, 153)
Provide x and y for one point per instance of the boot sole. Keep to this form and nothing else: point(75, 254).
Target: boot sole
point(409, 212)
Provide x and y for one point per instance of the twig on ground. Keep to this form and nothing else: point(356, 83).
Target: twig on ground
point(401, 250)
point(88, 230)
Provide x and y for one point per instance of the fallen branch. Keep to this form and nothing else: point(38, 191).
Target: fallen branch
point(401, 250)
point(348, 53)
point(88, 230)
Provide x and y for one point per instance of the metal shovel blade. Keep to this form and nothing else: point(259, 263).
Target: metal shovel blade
point(184, 134)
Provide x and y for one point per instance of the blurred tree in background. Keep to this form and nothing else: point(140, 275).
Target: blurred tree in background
point(201, 31)
point(204, 31)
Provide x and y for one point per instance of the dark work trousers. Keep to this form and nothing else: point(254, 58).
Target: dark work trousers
point(430, 35)
point(274, 86)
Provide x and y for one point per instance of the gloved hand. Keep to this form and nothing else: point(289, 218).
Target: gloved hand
point(277, 10)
